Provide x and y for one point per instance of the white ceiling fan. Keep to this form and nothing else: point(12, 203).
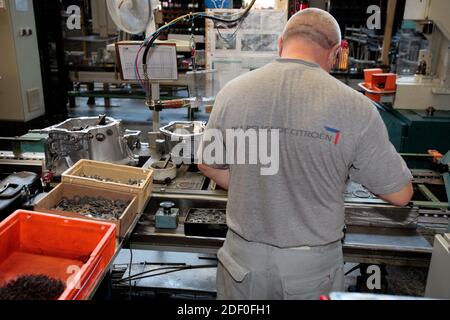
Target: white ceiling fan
point(133, 16)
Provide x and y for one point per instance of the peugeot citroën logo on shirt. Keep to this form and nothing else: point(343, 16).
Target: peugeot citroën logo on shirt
point(337, 134)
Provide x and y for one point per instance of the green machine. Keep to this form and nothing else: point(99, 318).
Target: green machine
point(416, 131)
point(28, 143)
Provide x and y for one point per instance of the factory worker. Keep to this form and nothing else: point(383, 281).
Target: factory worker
point(286, 225)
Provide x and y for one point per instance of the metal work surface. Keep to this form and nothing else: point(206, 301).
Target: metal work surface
point(185, 180)
point(376, 233)
point(381, 216)
point(398, 246)
point(146, 235)
point(398, 240)
point(190, 280)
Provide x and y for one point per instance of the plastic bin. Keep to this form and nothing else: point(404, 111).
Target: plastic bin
point(74, 251)
point(115, 172)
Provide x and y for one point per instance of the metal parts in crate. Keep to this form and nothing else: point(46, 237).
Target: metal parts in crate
point(95, 138)
point(167, 216)
point(206, 223)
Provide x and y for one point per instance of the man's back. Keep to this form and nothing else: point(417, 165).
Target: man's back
point(327, 131)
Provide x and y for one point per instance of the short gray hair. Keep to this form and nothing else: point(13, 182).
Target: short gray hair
point(315, 25)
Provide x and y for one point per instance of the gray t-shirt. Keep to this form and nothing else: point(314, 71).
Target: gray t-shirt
point(328, 134)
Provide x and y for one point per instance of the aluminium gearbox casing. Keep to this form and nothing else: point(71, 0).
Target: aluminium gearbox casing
point(83, 138)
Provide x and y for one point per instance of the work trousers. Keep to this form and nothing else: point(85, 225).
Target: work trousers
point(256, 271)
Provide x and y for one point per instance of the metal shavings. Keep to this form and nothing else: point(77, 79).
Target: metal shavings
point(99, 208)
point(32, 287)
point(131, 182)
point(210, 216)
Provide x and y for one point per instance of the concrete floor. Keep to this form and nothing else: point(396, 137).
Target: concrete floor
point(399, 281)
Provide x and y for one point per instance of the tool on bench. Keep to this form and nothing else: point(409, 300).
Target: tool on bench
point(167, 216)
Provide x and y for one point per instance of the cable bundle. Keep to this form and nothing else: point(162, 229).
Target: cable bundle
point(148, 42)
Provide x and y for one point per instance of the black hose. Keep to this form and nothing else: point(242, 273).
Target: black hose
point(162, 271)
point(227, 21)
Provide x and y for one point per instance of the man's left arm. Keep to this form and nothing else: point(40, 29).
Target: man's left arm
point(220, 176)
point(218, 172)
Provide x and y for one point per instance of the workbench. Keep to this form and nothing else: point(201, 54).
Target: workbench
point(377, 233)
point(405, 241)
point(392, 246)
point(411, 246)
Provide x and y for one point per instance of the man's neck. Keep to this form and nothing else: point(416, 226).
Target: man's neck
point(300, 57)
point(305, 55)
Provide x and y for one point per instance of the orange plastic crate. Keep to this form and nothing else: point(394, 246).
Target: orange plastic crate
point(73, 250)
point(368, 75)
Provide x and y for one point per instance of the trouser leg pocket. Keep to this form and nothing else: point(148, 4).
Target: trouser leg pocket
point(301, 287)
point(233, 279)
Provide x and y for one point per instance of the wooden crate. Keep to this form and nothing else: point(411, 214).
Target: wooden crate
point(115, 172)
point(64, 190)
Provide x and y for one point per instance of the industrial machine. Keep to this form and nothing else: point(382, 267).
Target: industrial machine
point(420, 117)
point(95, 138)
point(21, 94)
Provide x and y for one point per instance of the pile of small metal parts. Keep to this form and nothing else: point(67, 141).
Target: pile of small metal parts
point(32, 287)
point(99, 208)
point(130, 182)
point(209, 216)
